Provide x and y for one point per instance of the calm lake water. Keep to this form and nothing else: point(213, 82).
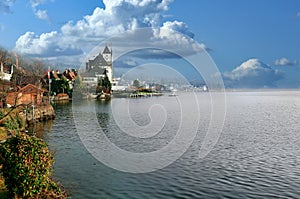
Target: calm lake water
point(257, 154)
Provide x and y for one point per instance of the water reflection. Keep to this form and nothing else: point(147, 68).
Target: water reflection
point(102, 109)
point(38, 129)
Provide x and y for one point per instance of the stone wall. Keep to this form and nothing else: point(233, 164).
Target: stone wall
point(37, 114)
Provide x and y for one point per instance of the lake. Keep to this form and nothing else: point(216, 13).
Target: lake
point(256, 154)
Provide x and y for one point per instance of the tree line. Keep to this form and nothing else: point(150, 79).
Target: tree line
point(26, 70)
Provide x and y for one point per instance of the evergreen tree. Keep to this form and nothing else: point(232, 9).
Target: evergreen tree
point(104, 85)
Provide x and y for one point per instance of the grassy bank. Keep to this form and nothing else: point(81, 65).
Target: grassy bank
point(25, 161)
point(10, 124)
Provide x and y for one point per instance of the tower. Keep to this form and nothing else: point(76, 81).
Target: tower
point(107, 55)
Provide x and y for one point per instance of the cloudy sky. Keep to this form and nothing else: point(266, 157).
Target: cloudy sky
point(254, 43)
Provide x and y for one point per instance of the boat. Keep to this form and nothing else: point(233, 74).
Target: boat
point(104, 97)
point(205, 88)
point(173, 94)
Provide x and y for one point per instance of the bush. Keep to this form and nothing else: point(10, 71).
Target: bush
point(27, 167)
point(12, 121)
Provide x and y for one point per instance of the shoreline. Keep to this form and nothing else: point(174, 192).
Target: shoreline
point(23, 117)
point(262, 90)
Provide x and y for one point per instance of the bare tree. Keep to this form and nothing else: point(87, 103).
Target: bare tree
point(3, 55)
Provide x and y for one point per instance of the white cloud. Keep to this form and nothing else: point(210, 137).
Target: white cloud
point(42, 14)
point(285, 62)
point(5, 6)
point(35, 3)
point(252, 74)
point(131, 63)
point(178, 26)
point(117, 17)
point(126, 63)
point(298, 14)
point(47, 44)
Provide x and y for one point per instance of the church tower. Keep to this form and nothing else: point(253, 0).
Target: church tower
point(107, 55)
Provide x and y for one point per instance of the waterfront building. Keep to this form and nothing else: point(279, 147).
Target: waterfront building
point(29, 94)
point(98, 67)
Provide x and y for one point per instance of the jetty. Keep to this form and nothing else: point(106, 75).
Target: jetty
point(144, 94)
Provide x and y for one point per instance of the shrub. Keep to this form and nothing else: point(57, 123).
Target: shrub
point(27, 167)
point(12, 120)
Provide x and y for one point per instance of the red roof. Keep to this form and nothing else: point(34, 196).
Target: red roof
point(30, 88)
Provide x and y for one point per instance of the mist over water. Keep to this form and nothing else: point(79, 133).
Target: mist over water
point(257, 155)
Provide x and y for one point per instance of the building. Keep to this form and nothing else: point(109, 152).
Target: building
point(116, 87)
point(29, 94)
point(98, 67)
point(91, 77)
point(6, 75)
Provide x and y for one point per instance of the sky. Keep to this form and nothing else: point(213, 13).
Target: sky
point(253, 43)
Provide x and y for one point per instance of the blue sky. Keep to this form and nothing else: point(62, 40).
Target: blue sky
point(254, 43)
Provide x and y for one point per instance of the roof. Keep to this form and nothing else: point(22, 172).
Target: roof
point(30, 88)
point(98, 61)
point(55, 75)
point(93, 71)
point(106, 50)
point(69, 74)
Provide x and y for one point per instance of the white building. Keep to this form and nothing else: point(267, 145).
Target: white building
point(116, 87)
point(5, 75)
point(97, 68)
